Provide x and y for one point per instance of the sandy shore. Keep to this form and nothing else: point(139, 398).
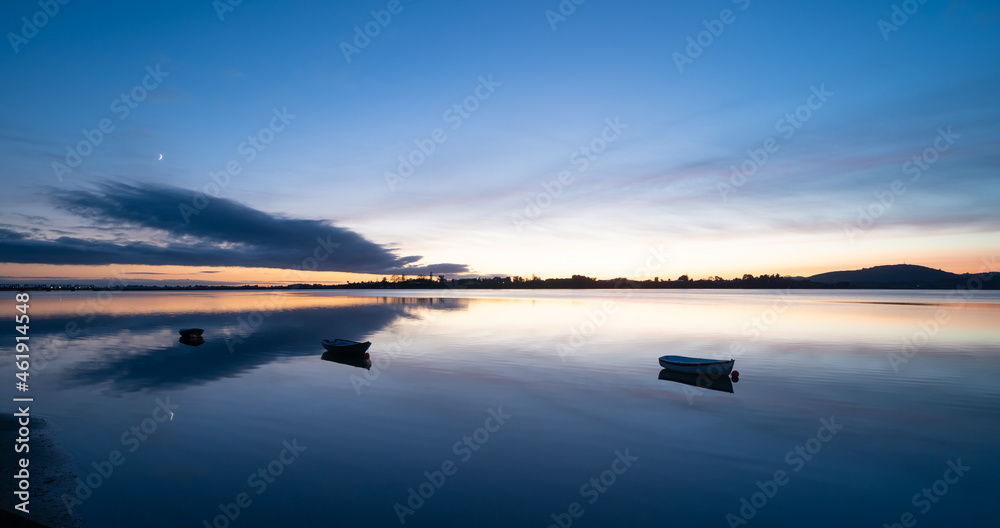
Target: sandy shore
point(52, 475)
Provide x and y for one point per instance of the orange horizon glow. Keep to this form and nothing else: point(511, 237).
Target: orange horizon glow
point(147, 274)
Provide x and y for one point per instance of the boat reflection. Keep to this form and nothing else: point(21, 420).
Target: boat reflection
point(192, 340)
point(722, 384)
point(347, 359)
point(143, 363)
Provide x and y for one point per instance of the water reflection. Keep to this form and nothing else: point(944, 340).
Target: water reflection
point(347, 359)
point(722, 384)
point(575, 373)
point(118, 303)
point(139, 358)
point(191, 340)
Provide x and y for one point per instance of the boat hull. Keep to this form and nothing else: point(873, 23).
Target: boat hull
point(341, 346)
point(711, 367)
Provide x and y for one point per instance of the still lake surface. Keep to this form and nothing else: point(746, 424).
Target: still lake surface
point(501, 407)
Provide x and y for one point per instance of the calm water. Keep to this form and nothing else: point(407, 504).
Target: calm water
point(501, 407)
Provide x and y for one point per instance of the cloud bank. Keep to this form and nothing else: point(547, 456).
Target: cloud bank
point(225, 233)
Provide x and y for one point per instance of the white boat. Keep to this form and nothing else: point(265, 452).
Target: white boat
point(344, 346)
point(711, 367)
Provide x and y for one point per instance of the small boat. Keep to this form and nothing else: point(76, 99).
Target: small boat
point(344, 346)
point(713, 367)
point(191, 332)
point(721, 384)
point(355, 361)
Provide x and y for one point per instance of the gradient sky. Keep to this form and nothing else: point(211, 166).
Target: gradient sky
point(660, 200)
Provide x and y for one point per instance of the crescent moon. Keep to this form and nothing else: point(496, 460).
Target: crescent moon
point(161, 156)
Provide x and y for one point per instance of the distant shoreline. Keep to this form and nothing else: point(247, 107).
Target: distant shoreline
point(993, 284)
point(896, 277)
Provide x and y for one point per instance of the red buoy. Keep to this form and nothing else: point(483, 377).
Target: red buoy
point(736, 375)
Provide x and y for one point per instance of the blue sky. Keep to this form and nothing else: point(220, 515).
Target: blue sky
point(483, 202)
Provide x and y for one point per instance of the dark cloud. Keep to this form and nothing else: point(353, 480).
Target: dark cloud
point(223, 233)
point(8, 235)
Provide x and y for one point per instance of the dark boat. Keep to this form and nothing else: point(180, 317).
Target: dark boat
point(346, 347)
point(361, 361)
point(713, 367)
point(722, 384)
point(191, 332)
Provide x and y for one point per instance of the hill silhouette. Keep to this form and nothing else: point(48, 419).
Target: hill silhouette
point(898, 273)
